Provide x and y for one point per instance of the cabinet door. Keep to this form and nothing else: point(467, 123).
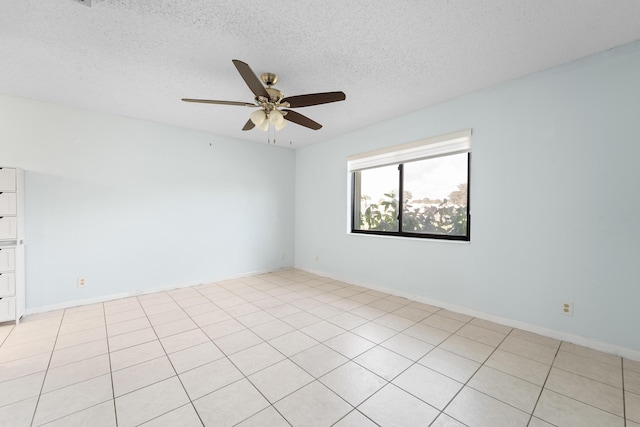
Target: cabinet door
point(7, 309)
point(7, 259)
point(7, 179)
point(8, 227)
point(8, 203)
point(7, 285)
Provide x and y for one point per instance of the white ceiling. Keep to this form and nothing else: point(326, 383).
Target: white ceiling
point(137, 58)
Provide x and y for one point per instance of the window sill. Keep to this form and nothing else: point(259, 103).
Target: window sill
point(413, 239)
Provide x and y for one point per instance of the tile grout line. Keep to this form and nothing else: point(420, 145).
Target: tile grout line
point(113, 391)
point(44, 379)
point(624, 394)
point(351, 412)
point(544, 384)
point(13, 327)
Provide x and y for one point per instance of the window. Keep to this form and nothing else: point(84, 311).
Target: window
point(419, 189)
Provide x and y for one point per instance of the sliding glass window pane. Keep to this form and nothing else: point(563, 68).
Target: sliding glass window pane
point(435, 196)
point(376, 190)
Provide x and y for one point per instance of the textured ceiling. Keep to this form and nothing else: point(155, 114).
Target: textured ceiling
point(137, 58)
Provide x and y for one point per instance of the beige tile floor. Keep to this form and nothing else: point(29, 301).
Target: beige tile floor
point(292, 348)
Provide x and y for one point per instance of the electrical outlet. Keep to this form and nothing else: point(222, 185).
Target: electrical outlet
point(567, 308)
point(317, 258)
point(82, 282)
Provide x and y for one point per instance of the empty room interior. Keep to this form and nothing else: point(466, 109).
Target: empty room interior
point(340, 213)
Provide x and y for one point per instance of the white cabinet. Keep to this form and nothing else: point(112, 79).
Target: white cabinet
point(8, 179)
point(8, 228)
point(12, 271)
point(7, 259)
point(8, 203)
point(8, 308)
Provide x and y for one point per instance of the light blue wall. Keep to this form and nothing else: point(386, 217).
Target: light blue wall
point(134, 205)
point(554, 202)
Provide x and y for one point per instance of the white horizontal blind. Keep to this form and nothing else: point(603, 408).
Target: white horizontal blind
point(452, 143)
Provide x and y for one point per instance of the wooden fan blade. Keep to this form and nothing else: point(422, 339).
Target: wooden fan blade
point(314, 99)
point(250, 78)
point(249, 125)
point(298, 118)
point(213, 101)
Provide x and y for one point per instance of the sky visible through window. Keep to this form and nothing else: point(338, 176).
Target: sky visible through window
point(433, 178)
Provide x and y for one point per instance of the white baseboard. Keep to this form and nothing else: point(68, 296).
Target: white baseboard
point(536, 329)
point(111, 297)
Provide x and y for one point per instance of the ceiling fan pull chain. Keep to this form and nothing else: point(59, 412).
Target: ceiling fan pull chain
point(272, 132)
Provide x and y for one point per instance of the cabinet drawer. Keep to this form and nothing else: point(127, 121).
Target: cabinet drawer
point(7, 284)
point(8, 203)
point(8, 227)
point(7, 309)
point(7, 179)
point(7, 259)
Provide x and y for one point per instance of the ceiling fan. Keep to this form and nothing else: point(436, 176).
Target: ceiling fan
point(273, 106)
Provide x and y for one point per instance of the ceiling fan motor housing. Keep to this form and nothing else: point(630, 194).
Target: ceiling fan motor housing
point(274, 94)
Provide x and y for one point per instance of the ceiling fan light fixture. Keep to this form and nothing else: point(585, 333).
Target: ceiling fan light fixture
point(276, 117)
point(258, 117)
point(280, 125)
point(264, 126)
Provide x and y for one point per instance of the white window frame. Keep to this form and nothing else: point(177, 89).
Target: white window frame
point(443, 145)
